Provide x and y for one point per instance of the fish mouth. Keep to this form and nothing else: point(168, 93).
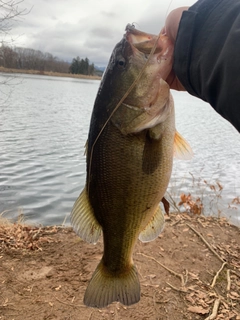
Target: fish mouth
point(157, 49)
point(135, 36)
point(158, 65)
point(142, 41)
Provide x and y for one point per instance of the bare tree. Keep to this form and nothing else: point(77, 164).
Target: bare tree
point(10, 12)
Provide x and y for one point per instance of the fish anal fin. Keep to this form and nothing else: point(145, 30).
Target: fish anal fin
point(105, 287)
point(154, 227)
point(83, 221)
point(182, 149)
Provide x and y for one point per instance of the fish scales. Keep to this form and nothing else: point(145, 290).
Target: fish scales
point(122, 194)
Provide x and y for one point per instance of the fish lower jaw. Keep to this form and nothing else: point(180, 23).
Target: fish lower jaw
point(147, 108)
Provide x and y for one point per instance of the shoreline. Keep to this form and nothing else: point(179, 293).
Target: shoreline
point(48, 73)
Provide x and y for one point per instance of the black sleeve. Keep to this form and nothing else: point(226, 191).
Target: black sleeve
point(207, 55)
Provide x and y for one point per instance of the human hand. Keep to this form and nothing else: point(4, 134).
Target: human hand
point(170, 30)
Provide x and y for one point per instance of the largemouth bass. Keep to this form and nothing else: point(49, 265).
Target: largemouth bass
point(129, 161)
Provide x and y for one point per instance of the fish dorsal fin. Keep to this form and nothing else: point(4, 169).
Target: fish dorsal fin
point(182, 149)
point(83, 221)
point(154, 227)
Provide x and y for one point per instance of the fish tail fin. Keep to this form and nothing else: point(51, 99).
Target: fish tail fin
point(105, 287)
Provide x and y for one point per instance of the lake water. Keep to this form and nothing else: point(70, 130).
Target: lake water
point(43, 129)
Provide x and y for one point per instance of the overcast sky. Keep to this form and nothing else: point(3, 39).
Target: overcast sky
point(87, 28)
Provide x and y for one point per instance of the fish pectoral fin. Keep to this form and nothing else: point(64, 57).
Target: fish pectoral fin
point(182, 149)
point(83, 221)
point(151, 156)
point(105, 287)
point(154, 227)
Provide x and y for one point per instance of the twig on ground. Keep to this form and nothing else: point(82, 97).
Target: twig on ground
point(176, 289)
point(186, 277)
point(200, 222)
point(171, 271)
point(228, 280)
point(173, 202)
point(215, 310)
point(217, 274)
point(207, 244)
point(175, 223)
point(70, 304)
point(236, 273)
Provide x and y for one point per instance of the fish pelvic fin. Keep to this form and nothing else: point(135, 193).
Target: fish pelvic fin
point(182, 149)
point(154, 227)
point(105, 287)
point(83, 221)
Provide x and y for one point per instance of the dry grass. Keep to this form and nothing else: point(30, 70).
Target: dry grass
point(19, 235)
point(49, 73)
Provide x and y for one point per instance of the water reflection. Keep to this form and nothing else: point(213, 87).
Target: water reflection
point(44, 126)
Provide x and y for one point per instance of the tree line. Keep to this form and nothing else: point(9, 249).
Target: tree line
point(30, 59)
point(82, 66)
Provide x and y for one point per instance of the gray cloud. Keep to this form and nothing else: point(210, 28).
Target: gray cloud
point(90, 28)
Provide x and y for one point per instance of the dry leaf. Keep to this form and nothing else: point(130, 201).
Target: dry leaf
point(197, 309)
point(234, 295)
point(58, 288)
point(191, 205)
point(190, 299)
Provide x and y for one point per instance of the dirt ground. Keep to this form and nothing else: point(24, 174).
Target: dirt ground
point(192, 271)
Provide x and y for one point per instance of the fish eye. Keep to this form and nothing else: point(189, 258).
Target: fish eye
point(121, 63)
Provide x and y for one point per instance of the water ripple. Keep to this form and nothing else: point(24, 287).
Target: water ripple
point(43, 130)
